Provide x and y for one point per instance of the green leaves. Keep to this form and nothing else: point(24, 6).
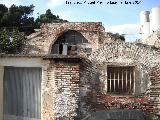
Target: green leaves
point(49, 17)
point(21, 17)
point(17, 16)
point(11, 41)
point(118, 36)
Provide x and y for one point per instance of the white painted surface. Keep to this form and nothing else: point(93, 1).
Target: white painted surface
point(1, 92)
point(145, 30)
point(64, 49)
point(155, 19)
point(21, 62)
point(145, 25)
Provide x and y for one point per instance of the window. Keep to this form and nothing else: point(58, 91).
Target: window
point(67, 41)
point(120, 80)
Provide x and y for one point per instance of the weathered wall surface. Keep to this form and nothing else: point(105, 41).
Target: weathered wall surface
point(87, 84)
point(60, 89)
point(67, 91)
point(21, 61)
point(127, 54)
point(107, 37)
point(47, 91)
point(42, 42)
point(155, 86)
point(153, 39)
point(143, 57)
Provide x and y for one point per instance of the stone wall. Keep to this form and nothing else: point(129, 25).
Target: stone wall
point(72, 86)
point(123, 53)
point(87, 85)
point(143, 57)
point(107, 37)
point(155, 86)
point(153, 39)
point(47, 91)
point(75, 87)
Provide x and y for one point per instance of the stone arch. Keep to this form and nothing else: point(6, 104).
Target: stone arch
point(143, 56)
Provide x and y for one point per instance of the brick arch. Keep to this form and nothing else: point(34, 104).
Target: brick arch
point(131, 53)
point(52, 31)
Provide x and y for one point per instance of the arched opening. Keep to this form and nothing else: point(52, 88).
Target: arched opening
point(71, 43)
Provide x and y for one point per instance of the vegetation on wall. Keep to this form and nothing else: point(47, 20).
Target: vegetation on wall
point(118, 36)
point(48, 17)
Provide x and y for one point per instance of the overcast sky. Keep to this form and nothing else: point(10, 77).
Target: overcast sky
point(122, 18)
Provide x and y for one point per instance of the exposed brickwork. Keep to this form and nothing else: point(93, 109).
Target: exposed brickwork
point(108, 102)
point(48, 91)
point(42, 41)
point(49, 33)
point(127, 54)
point(75, 83)
point(72, 89)
point(66, 91)
point(155, 86)
point(60, 90)
point(87, 72)
point(145, 58)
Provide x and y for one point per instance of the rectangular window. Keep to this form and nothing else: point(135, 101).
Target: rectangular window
point(120, 80)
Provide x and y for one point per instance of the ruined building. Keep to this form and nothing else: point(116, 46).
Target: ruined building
point(68, 70)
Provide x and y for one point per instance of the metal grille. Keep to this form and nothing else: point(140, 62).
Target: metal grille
point(120, 79)
point(22, 91)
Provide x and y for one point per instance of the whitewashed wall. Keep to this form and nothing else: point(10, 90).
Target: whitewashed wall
point(21, 61)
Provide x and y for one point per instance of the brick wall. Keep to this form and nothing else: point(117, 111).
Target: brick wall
point(48, 91)
point(155, 86)
point(143, 57)
point(60, 89)
point(42, 43)
point(87, 84)
point(66, 91)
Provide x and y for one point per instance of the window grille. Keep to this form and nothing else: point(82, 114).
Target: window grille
point(120, 79)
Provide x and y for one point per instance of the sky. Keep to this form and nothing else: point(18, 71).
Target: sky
point(117, 18)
